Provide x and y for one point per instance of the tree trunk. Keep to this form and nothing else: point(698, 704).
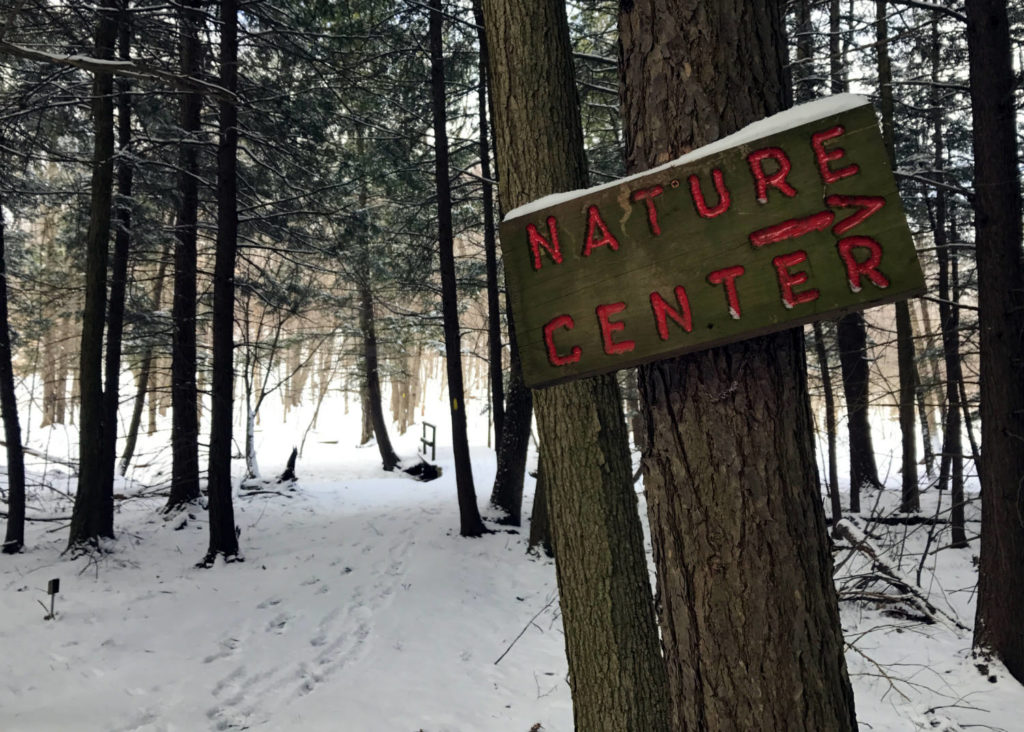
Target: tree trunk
point(366, 410)
point(145, 373)
point(909, 499)
point(853, 358)
point(118, 283)
point(184, 421)
point(803, 89)
point(507, 492)
point(851, 334)
point(87, 523)
point(949, 317)
point(830, 423)
point(369, 332)
point(1001, 312)
point(14, 539)
point(252, 467)
point(494, 357)
point(749, 614)
point(469, 513)
point(932, 393)
point(540, 523)
point(223, 538)
point(615, 666)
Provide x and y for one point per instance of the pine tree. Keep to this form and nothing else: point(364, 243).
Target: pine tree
point(1001, 310)
point(615, 665)
point(749, 614)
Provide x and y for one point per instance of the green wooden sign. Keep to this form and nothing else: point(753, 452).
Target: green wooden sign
point(793, 219)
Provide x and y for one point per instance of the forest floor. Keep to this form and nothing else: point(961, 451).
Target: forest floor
point(358, 607)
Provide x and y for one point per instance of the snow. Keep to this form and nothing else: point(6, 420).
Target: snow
point(358, 606)
point(767, 127)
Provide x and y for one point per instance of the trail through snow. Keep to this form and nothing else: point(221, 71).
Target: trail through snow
point(358, 608)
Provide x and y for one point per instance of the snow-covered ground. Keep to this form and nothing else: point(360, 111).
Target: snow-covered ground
point(358, 607)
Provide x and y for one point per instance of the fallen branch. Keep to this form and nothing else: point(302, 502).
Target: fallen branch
point(25, 449)
point(910, 594)
point(246, 492)
point(525, 628)
point(41, 519)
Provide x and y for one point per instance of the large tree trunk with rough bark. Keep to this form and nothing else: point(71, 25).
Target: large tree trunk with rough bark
point(184, 399)
point(1001, 312)
point(88, 517)
point(14, 539)
point(470, 523)
point(749, 614)
point(223, 538)
point(118, 280)
point(615, 666)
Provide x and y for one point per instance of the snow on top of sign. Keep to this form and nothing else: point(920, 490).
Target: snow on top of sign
point(793, 117)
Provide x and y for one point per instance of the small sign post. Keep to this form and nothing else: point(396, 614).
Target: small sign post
point(52, 588)
point(797, 220)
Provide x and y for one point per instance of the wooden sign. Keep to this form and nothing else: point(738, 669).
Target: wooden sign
point(793, 219)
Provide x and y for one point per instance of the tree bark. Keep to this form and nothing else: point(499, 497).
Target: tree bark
point(87, 524)
point(184, 399)
point(14, 539)
point(469, 513)
point(749, 614)
point(223, 538)
point(615, 666)
point(1001, 312)
point(118, 281)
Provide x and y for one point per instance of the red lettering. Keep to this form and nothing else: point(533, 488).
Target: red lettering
point(647, 195)
point(868, 205)
point(776, 179)
point(727, 277)
point(562, 321)
point(868, 268)
point(537, 241)
point(595, 223)
point(788, 280)
point(698, 195)
point(607, 328)
point(824, 157)
point(663, 311)
point(792, 229)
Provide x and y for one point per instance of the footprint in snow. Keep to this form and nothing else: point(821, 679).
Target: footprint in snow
point(278, 624)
